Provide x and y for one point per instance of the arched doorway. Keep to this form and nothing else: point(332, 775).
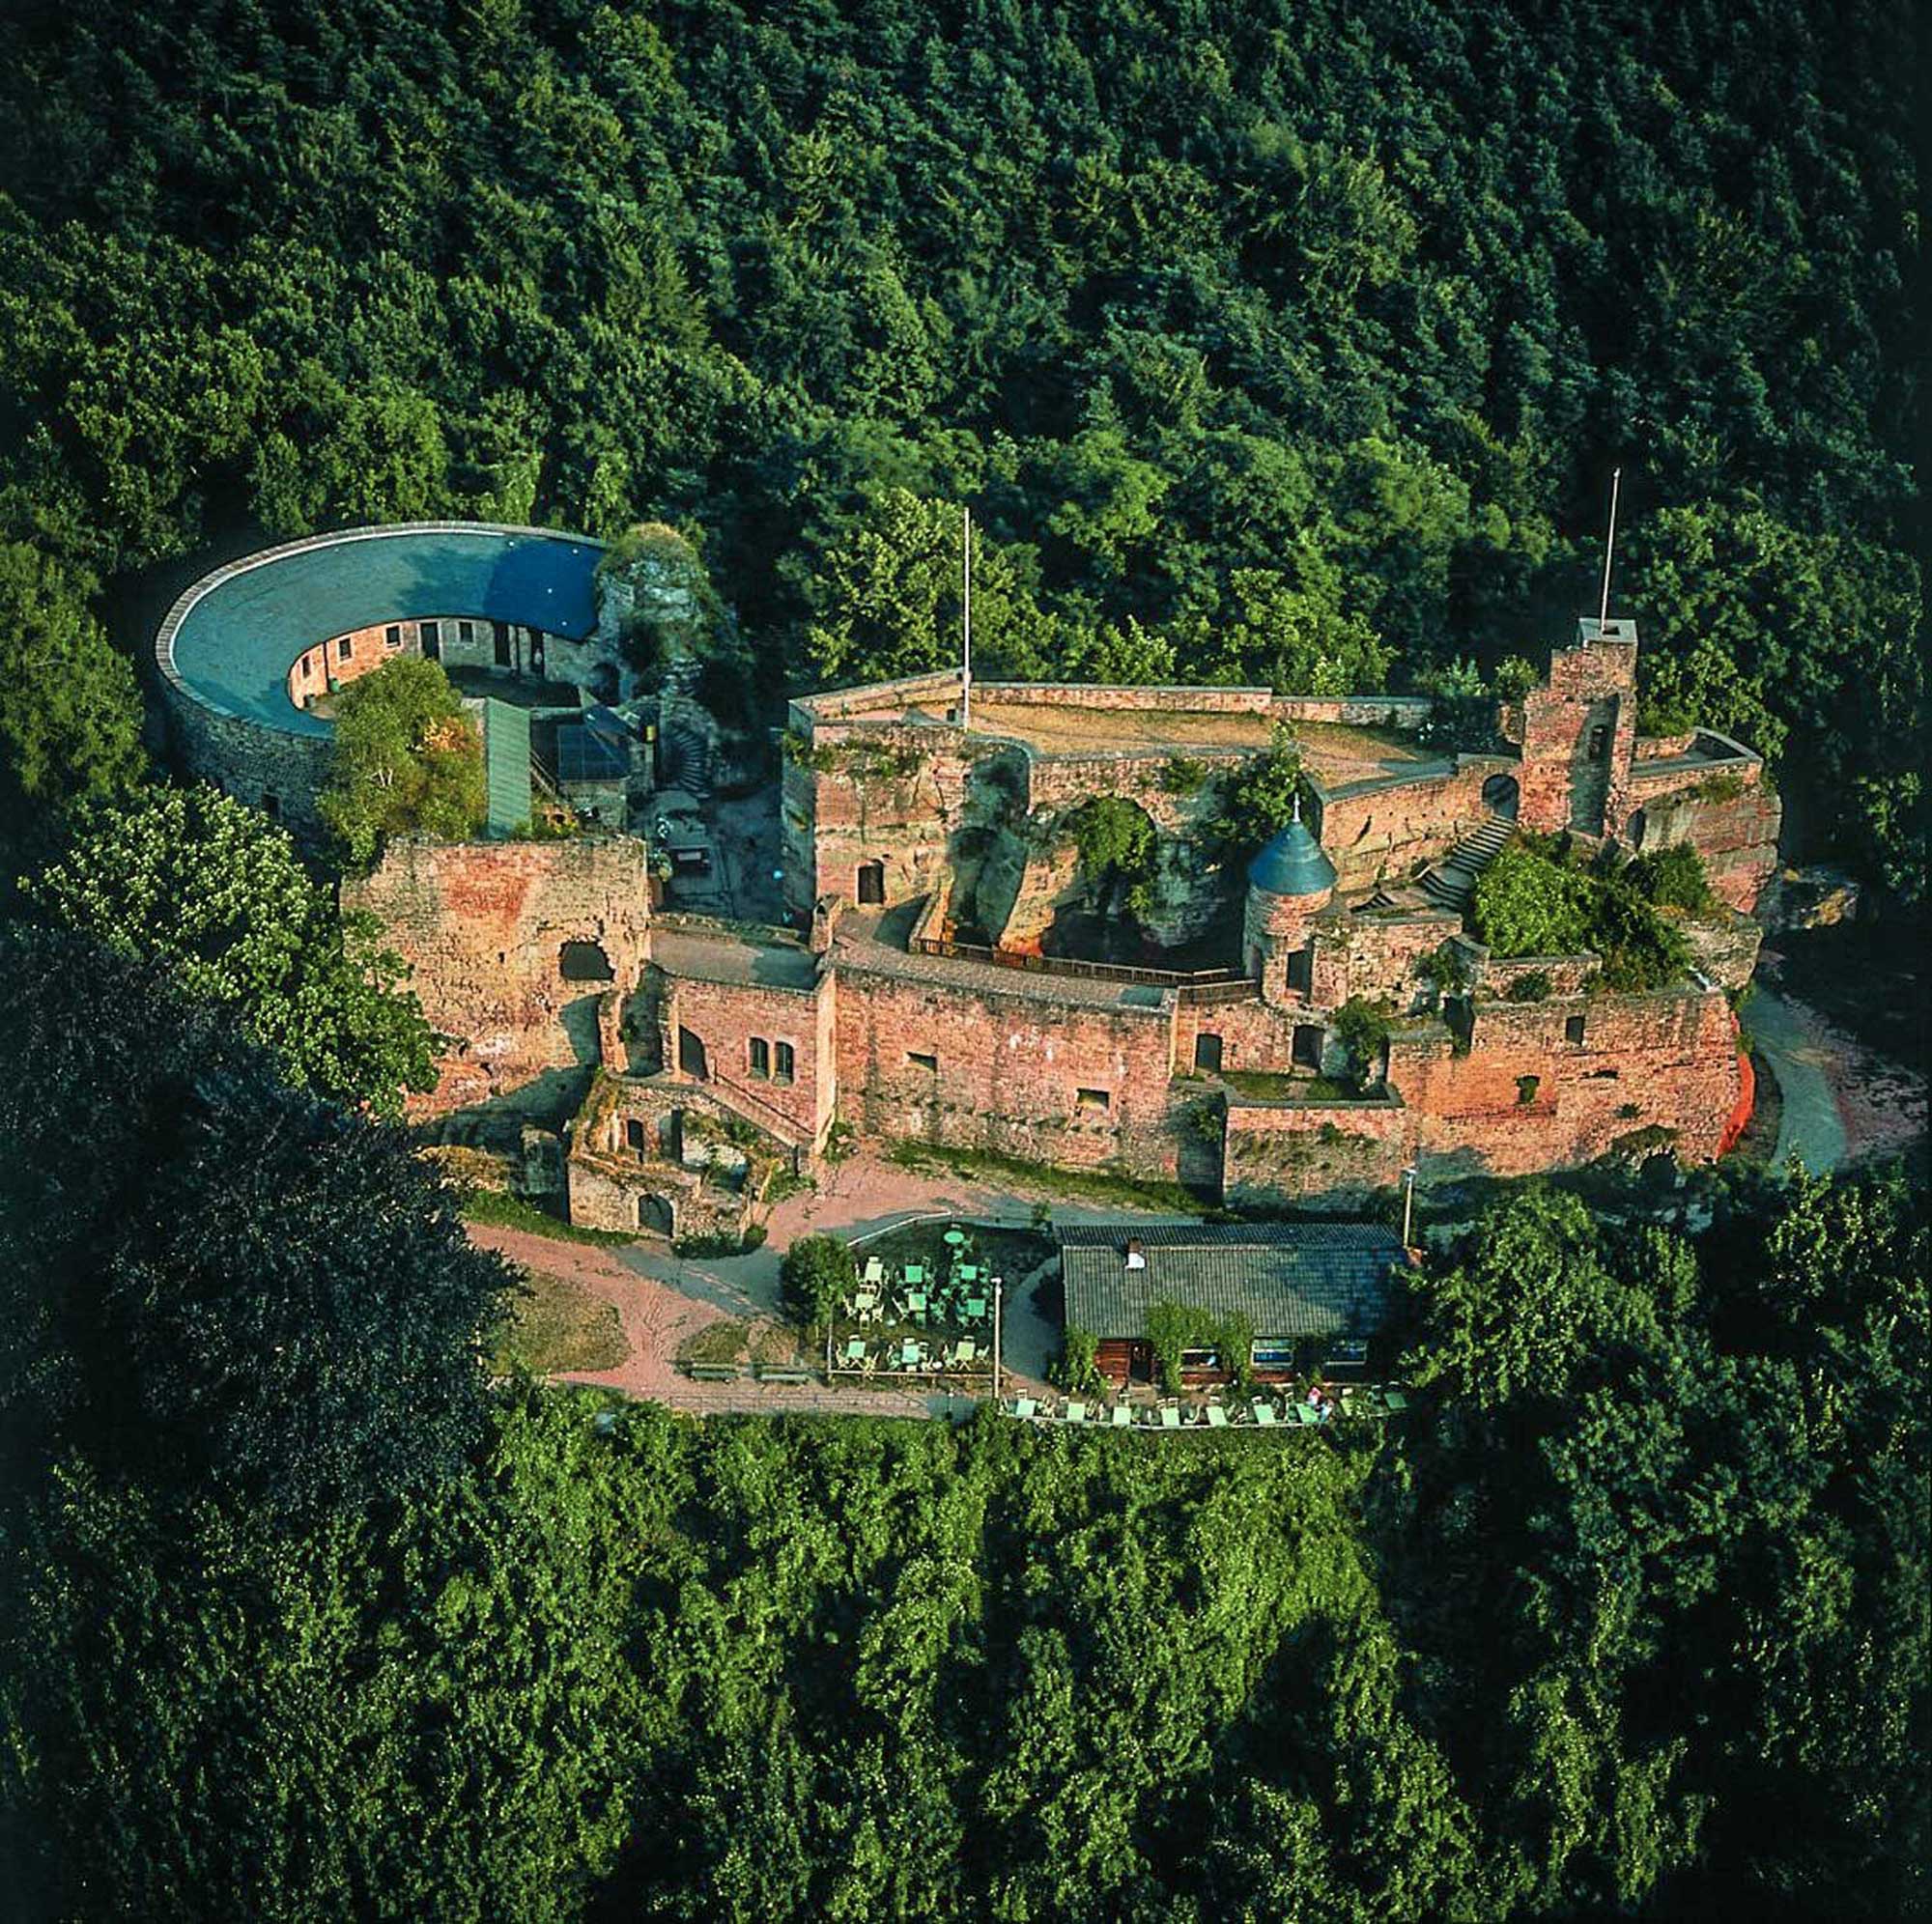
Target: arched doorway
point(654, 1214)
point(585, 962)
point(1633, 829)
point(871, 883)
point(1501, 796)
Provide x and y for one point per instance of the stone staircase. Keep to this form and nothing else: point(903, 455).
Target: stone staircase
point(1452, 881)
point(684, 752)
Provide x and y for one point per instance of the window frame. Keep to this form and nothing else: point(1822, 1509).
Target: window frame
point(758, 1058)
point(784, 1062)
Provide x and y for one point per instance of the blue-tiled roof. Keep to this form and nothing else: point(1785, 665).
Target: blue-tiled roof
point(1292, 864)
point(235, 647)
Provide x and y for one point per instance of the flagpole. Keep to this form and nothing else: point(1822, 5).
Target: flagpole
point(966, 616)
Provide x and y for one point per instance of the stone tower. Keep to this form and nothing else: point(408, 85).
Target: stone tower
point(1290, 883)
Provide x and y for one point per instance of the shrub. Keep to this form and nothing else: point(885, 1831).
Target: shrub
point(1533, 987)
point(816, 1271)
point(1672, 878)
point(1077, 1370)
point(1361, 1028)
point(1525, 1090)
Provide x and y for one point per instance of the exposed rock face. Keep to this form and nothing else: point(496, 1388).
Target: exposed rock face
point(653, 580)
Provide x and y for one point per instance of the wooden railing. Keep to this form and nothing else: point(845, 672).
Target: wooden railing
point(1191, 986)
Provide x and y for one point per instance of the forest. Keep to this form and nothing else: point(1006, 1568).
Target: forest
point(1290, 344)
point(1268, 343)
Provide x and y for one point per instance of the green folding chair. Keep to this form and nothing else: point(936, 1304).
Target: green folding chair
point(1024, 1406)
point(1076, 1412)
point(1123, 1415)
point(1217, 1417)
point(1264, 1413)
point(1170, 1417)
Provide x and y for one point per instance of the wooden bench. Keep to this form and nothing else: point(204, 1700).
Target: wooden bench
point(771, 1373)
point(713, 1372)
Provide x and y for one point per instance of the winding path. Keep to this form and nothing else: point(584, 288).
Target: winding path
point(1812, 1129)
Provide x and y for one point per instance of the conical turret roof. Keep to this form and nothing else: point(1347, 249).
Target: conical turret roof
point(1293, 862)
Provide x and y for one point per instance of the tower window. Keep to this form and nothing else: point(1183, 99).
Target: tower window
point(784, 1064)
point(1095, 1100)
point(917, 1059)
point(760, 1056)
point(466, 632)
point(1573, 1029)
point(392, 637)
point(344, 647)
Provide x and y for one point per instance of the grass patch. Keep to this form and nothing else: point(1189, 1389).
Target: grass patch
point(1272, 1085)
point(559, 1325)
point(504, 1211)
point(1100, 1186)
point(714, 1343)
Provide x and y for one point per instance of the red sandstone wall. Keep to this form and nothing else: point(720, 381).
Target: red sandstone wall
point(857, 812)
point(1009, 1066)
point(1336, 1155)
point(1384, 953)
point(1736, 835)
point(1381, 834)
point(1589, 687)
point(1667, 1060)
point(481, 925)
point(724, 1016)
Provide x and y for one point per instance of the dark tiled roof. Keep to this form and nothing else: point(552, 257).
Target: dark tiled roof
point(1288, 1279)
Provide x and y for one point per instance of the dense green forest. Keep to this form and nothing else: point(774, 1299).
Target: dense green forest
point(1269, 343)
point(1628, 1615)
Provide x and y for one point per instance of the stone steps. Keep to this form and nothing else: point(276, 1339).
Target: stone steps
point(1452, 881)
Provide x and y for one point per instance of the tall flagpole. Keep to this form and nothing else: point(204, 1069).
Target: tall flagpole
point(966, 616)
point(1609, 548)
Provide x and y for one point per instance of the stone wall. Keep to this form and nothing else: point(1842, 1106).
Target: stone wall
point(1733, 822)
point(281, 772)
point(1667, 1060)
point(726, 1017)
point(482, 926)
point(890, 793)
point(1385, 948)
point(976, 1066)
point(1328, 1155)
point(651, 1156)
point(1382, 830)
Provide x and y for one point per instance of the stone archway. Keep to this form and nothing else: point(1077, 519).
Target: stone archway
point(656, 1215)
point(1634, 828)
point(1501, 796)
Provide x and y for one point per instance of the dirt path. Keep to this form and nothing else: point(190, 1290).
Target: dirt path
point(662, 1299)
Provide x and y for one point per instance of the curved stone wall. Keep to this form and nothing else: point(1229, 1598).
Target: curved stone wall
point(228, 648)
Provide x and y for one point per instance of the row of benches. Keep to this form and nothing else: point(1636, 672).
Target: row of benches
point(762, 1372)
